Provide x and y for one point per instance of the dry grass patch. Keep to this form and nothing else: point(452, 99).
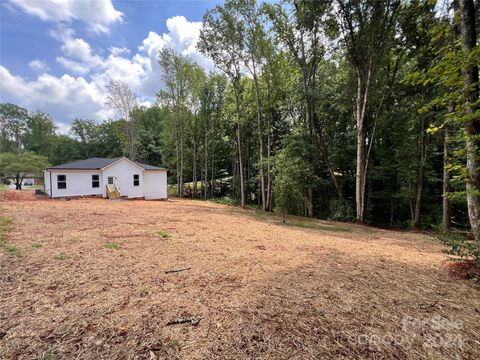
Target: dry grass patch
point(260, 289)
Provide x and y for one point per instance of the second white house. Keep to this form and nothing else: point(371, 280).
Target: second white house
point(113, 178)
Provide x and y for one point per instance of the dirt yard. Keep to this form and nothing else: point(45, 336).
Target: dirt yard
point(91, 283)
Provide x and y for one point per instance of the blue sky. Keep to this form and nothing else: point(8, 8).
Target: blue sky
point(57, 55)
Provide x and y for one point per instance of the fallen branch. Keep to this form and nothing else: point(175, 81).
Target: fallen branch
point(177, 270)
point(192, 321)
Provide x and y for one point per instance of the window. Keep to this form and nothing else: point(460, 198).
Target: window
point(110, 180)
point(95, 181)
point(61, 181)
point(136, 180)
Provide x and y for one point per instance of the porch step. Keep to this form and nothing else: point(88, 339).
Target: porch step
point(113, 192)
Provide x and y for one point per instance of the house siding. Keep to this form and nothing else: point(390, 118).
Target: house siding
point(155, 185)
point(123, 171)
point(79, 183)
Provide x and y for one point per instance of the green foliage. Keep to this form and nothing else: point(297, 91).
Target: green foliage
point(17, 166)
point(288, 190)
point(163, 234)
point(61, 257)
point(341, 210)
point(5, 227)
point(112, 246)
point(459, 246)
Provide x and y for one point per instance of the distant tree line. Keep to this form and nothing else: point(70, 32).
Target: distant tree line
point(347, 109)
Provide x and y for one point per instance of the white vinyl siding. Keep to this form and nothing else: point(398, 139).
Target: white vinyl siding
point(122, 171)
point(155, 184)
point(79, 183)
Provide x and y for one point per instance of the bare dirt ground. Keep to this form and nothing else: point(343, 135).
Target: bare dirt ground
point(91, 284)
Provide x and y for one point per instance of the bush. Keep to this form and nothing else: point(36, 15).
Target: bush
point(459, 246)
point(341, 210)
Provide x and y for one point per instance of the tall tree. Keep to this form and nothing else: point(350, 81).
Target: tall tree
point(366, 26)
point(175, 68)
point(472, 114)
point(301, 28)
point(13, 125)
point(218, 41)
point(122, 99)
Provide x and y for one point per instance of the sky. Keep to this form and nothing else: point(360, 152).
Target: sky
point(57, 56)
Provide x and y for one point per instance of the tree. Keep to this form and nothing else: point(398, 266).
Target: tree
point(40, 131)
point(219, 40)
point(366, 26)
point(471, 91)
point(175, 68)
point(17, 166)
point(121, 99)
point(302, 29)
point(13, 125)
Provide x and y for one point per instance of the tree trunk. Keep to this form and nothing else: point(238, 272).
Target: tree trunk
point(310, 201)
point(194, 170)
point(260, 141)
point(269, 170)
point(177, 151)
point(205, 159)
point(18, 182)
point(446, 207)
point(472, 127)
point(181, 158)
point(240, 161)
point(421, 174)
point(361, 171)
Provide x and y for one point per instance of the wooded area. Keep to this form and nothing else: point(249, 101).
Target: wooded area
point(348, 110)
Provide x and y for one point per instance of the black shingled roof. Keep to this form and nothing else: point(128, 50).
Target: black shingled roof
point(97, 164)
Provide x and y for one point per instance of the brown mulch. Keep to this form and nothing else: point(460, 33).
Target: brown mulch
point(258, 289)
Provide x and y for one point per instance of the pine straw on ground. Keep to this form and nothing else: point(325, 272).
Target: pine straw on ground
point(260, 289)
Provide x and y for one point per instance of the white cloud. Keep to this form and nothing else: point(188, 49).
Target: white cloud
point(78, 55)
point(64, 97)
point(97, 14)
point(68, 97)
point(38, 65)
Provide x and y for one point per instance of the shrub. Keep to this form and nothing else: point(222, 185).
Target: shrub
point(459, 246)
point(341, 210)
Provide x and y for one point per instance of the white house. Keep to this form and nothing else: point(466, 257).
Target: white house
point(104, 177)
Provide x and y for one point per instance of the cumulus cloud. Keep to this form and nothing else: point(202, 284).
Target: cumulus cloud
point(38, 65)
point(97, 14)
point(83, 94)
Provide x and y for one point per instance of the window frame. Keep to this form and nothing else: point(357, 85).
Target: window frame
point(95, 182)
point(136, 181)
point(61, 184)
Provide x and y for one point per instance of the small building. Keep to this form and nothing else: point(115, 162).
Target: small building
point(112, 178)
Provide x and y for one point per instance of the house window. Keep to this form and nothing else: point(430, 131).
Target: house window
point(61, 181)
point(95, 181)
point(110, 180)
point(136, 180)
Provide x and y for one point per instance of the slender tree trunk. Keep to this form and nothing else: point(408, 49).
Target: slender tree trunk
point(310, 202)
point(240, 161)
point(446, 207)
point(18, 182)
point(205, 159)
point(269, 170)
point(421, 174)
point(212, 184)
point(361, 174)
point(177, 151)
point(260, 141)
point(194, 170)
point(181, 158)
point(472, 127)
